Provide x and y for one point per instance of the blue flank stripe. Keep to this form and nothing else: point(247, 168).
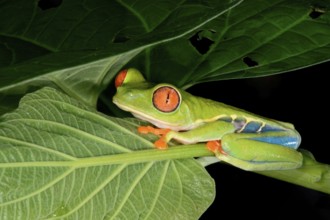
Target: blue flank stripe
point(254, 126)
point(286, 141)
point(267, 128)
point(251, 127)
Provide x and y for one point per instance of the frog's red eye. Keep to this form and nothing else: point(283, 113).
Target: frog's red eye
point(120, 78)
point(166, 99)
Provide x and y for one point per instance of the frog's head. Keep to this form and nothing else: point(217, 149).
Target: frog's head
point(163, 105)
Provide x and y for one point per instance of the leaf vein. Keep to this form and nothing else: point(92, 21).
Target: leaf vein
point(131, 189)
point(97, 189)
point(41, 189)
point(100, 119)
point(136, 14)
point(72, 130)
point(36, 146)
point(158, 191)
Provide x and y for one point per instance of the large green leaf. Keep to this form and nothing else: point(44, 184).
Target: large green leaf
point(79, 46)
point(59, 158)
point(256, 38)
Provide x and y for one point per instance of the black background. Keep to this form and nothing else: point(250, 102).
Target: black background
point(300, 97)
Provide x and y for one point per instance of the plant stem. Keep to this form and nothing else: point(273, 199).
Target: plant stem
point(141, 156)
point(175, 152)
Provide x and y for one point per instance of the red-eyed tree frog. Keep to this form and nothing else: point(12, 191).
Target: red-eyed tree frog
point(236, 136)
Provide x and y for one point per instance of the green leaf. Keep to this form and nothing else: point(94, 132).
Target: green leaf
point(78, 47)
point(256, 38)
point(59, 158)
point(82, 74)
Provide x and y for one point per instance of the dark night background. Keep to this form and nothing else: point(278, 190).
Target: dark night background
point(300, 97)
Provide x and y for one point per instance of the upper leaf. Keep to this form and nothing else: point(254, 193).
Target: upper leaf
point(79, 46)
point(256, 38)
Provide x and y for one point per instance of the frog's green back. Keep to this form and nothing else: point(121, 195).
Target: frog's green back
point(205, 110)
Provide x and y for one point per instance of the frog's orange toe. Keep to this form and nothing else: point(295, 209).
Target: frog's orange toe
point(160, 144)
point(161, 131)
point(214, 146)
point(145, 129)
point(156, 131)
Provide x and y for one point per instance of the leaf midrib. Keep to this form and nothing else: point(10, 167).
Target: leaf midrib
point(140, 156)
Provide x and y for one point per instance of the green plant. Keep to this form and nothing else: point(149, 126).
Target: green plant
point(85, 165)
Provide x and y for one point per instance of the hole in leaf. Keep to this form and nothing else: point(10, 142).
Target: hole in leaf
point(120, 39)
point(201, 42)
point(47, 4)
point(317, 11)
point(249, 62)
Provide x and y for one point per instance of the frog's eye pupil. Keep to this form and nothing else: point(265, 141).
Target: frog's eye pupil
point(120, 78)
point(166, 99)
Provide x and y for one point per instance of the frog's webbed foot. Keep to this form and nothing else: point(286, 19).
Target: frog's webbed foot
point(161, 142)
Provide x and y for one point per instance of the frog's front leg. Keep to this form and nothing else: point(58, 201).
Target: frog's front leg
point(206, 132)
point(261, 151)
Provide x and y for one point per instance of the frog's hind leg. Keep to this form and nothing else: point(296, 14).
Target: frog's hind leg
point(261, 151)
